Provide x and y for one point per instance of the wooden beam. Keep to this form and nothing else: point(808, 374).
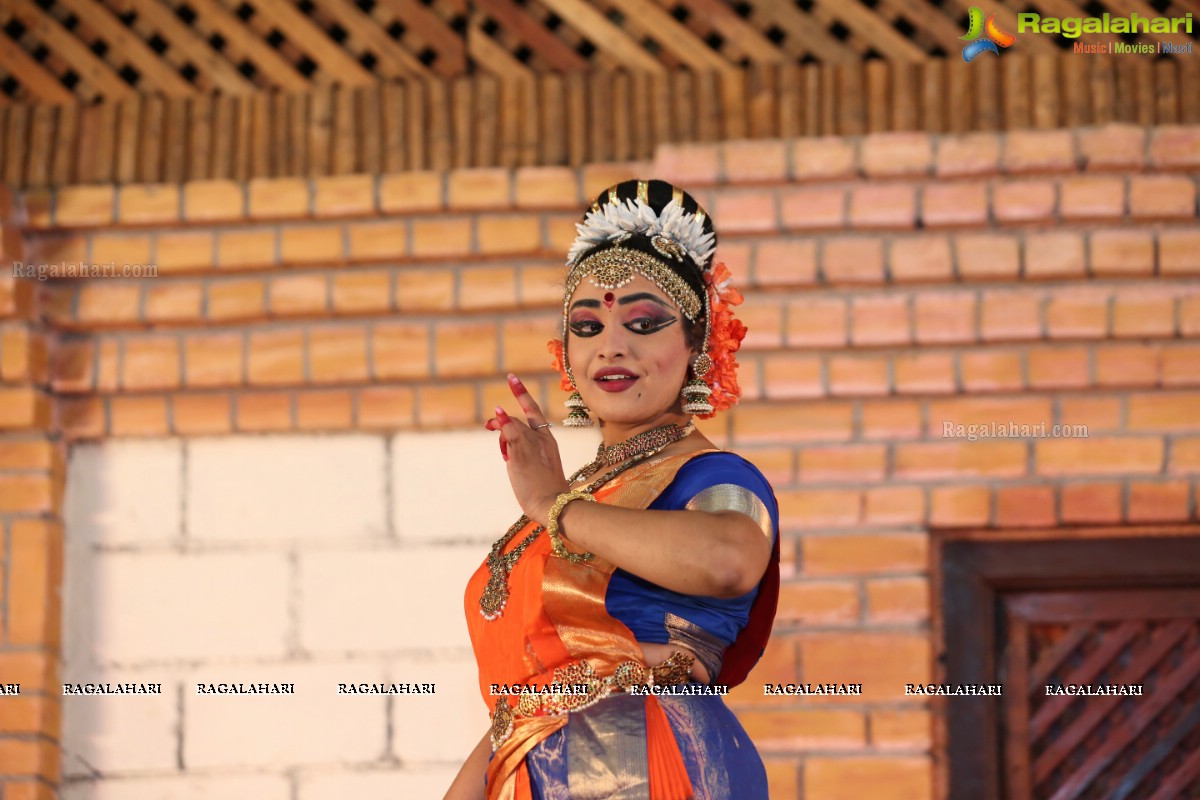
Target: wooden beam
point(604, 35)
point(41, 84)
point(274, 67)
point(396, 61)
point(185, 39)
point(154, 74)
point(871, 27)
point(331, 58)
point(89, 66)
point(488, 53)
point(811, 35)
point(675, 38)
point(722, 18)
point(556, 53)
point(452, 59)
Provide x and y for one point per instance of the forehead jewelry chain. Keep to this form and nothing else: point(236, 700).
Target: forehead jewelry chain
point(500, 564)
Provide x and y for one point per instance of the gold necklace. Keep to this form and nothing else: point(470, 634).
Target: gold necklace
point(500, 564)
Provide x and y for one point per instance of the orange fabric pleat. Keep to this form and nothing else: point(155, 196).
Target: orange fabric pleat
point(668, 774)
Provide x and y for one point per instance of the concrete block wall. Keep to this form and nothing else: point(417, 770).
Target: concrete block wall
point(312, 363)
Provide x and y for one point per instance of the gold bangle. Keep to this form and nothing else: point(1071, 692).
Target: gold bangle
point(556, 542)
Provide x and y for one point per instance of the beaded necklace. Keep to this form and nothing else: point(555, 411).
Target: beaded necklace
point(631, 452)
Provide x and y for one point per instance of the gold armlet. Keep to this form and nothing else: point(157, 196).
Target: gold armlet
point(556, 542)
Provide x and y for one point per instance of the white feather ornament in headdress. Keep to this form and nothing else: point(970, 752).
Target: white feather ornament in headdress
point(616, 221)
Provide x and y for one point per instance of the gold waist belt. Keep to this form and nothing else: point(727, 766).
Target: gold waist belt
point(577, 686)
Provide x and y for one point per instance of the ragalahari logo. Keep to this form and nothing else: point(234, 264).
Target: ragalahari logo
point(983, 36)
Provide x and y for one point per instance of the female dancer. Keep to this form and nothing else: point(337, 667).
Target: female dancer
point(608, 618)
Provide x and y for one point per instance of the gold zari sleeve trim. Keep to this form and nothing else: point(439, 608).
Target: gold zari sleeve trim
point(731, 497)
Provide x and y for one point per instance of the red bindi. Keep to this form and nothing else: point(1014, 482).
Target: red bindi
point(608, 299)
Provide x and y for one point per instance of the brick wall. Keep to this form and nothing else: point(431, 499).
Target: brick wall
point(893, 282)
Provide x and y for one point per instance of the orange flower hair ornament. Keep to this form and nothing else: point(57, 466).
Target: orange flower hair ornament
point(725, 337)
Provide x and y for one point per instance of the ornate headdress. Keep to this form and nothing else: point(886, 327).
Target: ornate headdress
point(658, 231)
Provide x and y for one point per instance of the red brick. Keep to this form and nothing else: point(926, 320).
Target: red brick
point(201, 414)
point(312, 244)
point(777, 665)
point(792, 376)
point(816, 322)
point(864, 554)
point(559, 234)
point(337, 355)
point(812, 208)
point(1077, 313)
point(1175, 147)
point(213, 359)
point(508, 234)
point(820, 508)
point(119, 249)
point(1179, 252)
point(35, 574)
point(278, 198)
point(750, 161)
point(305, 294)
point(411, 191)
point(38, 206)
point(78, 206)
point(1055, 254)
point(858, 375)
point(954, 204)
point(1185, 456)
point(524, 343)
point(888, 206)
point(213, 200)
point(331, 410)
point(1113, 146)
point(264, 411)
point(945, 317)
point(236, 300)
point(821, 158)
point(1181, 365)
point(987, 256)
point(1096, 412)
point(894, 505)
point(1154, 197)
point(148, 203)
point(109, 302)
point(1091, 197)
point(1058, 368)
point(991, 370)
point(386, 407)
point(466, 348)
point(879, 319)
point(818, 602)
point(447, 406)
point(108, 364)
point(29, 758)
point(788, 731)
point(785, 262)
point(1025, 506)
point(968, 154)
point(771, 423)
point(23, 355)
point(1039, 151)
point(1099, 455)
point(1165, 411)
point(37, 453)
point(1127, 365)
point(378, 241)
point(881, 662)
point(838, 463)
point(783, 778)
point(852, 260)
point(958, 506)
point(1090, 503)
point(1011, 316)
point(902, 729)
point(174, 301)
point(150, 363)
point(891, 418)
point(424, 290)
point(276, 357)
point(986, 410)
point(440, 237)
point(924, 373)
point(343, 195)
point(747, 211)
point(547, 187)
point(362, 292)
point(686, 164)
point(1122, 252)
point(898, 600)
point(920, 258)
point(26, 494)
point(1189, 315)
point(485, 187)
point(984, 457)
point(541, 285)
point(599, 177)
point(1159, 501)
point(1024, 201)
point(900, 153)
point(250, 247)
point(1147, 312)
point(82, 418)
point(135, 415)
point(763, 317)
point(400, 350)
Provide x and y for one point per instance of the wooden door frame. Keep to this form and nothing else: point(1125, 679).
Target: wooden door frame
point(971, 567)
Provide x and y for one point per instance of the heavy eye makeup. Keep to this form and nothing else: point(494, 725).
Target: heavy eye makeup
point(641, 321)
